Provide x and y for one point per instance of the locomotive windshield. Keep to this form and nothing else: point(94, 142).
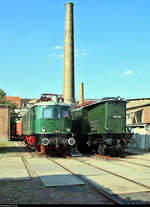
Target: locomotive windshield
point(53, 112)
point(48, 113)
point(64, 112)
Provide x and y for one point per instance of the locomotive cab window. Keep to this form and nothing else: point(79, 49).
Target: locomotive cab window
point(47, 113)
point(64, 112)
point(53, 112)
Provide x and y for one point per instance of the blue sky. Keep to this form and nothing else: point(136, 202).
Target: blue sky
point(112, 47)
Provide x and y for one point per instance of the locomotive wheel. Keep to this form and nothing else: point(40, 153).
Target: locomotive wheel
point(120, 152)
point(101, 149)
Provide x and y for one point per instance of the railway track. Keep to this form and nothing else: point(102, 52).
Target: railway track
point(130, 180)
point(127, 159)
point(115, 199)
point(114, 174)
point(104, 157)
point(29, 149)
point(139, 164)
point(49, 156)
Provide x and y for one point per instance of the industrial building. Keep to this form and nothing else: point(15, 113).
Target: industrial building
point(4, 122)
point(14, 99)
point(22, 105)
point(138, 120)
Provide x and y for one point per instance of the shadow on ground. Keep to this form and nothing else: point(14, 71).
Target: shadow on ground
point(12, 149)
point(33, 191)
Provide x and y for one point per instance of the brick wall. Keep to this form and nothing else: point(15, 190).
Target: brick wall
point(4, 122)
point(146, 118)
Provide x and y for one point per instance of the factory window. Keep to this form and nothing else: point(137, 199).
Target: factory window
point(138, 117)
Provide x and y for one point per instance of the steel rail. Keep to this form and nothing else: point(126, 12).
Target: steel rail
point(143, 165)
point(123, 160)
point(114, 198)
point(115, 174)
point(99, 190)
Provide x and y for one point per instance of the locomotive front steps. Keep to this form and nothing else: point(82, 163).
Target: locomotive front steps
point(75, 153)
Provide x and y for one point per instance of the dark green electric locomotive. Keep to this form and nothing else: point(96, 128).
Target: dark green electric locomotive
point(47, 126)
point(101, 126)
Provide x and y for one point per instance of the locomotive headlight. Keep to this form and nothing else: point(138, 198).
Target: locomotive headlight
point(43, 129)
point(71, 141)
point(45, 141)
point(67, 129)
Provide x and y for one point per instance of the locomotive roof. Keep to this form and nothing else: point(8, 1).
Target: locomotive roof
point(50, 103)
point(98, 102)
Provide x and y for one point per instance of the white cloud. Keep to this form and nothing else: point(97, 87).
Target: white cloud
point(58, 47)
point(127, 73)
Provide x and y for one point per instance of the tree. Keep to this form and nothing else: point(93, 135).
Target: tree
point(2, 96)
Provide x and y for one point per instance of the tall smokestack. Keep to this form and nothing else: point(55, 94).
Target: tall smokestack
point(68, 85)
point(81, 93)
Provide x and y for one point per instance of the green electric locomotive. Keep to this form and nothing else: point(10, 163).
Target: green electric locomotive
point(101, 126)
point(47, 126)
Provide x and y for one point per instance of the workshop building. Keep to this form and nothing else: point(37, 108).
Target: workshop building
point(4, 122)
point(138, 120)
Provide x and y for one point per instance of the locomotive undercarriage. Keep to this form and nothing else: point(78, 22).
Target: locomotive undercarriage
point(60, 143)
point(114, 143)
point(103, 144)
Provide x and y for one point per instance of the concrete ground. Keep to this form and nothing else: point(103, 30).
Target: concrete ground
point(52, 174)
point(42, 180)
point(136, 151)
point(101, 177)
point(32, 190)
point(13, 168)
